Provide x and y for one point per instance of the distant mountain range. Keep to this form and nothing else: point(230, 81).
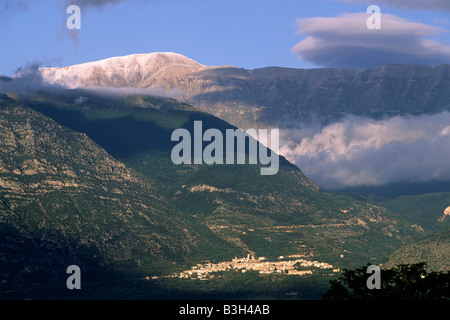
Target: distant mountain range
point(277, 97)
point(272, 95)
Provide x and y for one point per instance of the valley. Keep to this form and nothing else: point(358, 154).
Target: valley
point(87, 178)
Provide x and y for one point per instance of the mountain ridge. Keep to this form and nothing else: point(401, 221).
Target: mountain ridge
point(64, 200)
point(275, 96)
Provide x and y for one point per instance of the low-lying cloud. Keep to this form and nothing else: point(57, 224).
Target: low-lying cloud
point(357, 151)
point(345, 41)
point(29, 79)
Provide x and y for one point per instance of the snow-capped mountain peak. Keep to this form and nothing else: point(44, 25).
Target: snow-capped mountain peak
point(135, 71)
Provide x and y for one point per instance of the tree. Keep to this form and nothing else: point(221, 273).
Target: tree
point(404, 282)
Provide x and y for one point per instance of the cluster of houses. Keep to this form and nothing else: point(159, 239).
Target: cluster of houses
point(281, 265)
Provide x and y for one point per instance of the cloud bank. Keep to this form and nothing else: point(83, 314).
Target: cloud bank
point(359, 151)
point(345, 41)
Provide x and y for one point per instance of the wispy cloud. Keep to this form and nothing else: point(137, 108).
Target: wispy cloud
point(23, 5)
point(345, 41)
point(358, 151)
point(27, 79)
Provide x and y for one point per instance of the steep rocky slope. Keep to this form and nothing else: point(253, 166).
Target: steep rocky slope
point(64, 200)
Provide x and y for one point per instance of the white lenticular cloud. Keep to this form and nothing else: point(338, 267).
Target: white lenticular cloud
point(358, 151)
point(345, 41)
point(409, 4)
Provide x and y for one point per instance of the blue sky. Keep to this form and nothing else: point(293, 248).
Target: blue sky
point(244, 33)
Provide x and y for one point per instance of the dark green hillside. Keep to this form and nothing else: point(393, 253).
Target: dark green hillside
point(426, 210)
point(434, 250)
point(64, 200)
point(266, 215)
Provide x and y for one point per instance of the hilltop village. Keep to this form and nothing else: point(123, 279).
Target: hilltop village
point(285, 265)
